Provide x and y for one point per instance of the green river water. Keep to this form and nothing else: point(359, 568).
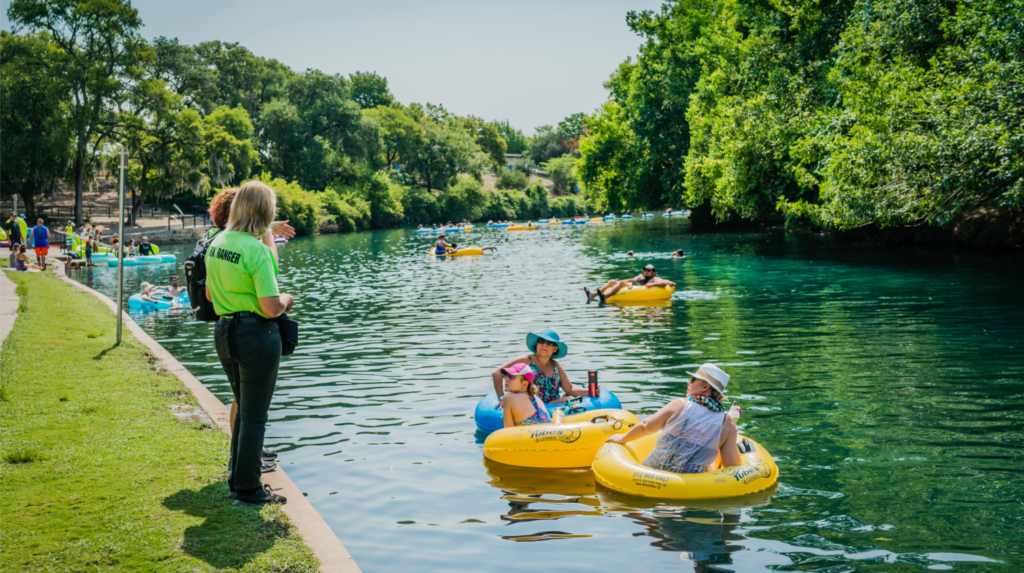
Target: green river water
point(888, 384)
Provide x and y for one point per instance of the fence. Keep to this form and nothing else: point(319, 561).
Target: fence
point(59, 212)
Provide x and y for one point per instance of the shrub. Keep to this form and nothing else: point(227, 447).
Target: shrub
point(512, 180)
point(568, 206)
point(562, 171)
point(345, 210)
point(465, 200)
point(385, 200)
point(294, 204)
point(419, 205)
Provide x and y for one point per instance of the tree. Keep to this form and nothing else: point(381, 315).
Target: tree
point(447, 149)
point(400, 132)
point(545, 144)
point(515, 141)
point(36, 146)
point(164, 140)
point(315, 134)
point(562, 171)
point(370, 90)
point(227, 138)
point(570, 130)
point(488, 138)
point(97, 43)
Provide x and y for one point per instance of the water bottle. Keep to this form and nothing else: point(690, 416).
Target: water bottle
point(735, 412)
point(593, 390)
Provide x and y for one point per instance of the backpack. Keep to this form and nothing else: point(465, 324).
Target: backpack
point(195, 280)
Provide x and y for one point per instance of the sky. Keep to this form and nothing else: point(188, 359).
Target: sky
point(531, 62)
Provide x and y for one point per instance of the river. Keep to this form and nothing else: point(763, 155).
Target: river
point(888, 385)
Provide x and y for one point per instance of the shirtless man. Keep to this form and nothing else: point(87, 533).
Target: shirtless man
point(648, 277)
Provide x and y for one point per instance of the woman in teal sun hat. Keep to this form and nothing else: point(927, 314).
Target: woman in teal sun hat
point(548, 375)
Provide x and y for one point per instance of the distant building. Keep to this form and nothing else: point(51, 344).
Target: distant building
point(512, 158)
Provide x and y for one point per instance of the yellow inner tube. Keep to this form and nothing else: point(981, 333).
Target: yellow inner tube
point(528, 228)
point(620, 468)
point(642, 294)
point(597, 220)
point(555, 223)
point(467, 252)
point(571, 444)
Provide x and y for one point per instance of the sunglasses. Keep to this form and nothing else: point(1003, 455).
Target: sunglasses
point(547, 343)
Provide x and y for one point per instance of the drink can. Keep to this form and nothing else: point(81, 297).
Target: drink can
point(593, 390)
point(559, 416)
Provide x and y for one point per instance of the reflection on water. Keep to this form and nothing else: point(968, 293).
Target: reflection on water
point(888, 385)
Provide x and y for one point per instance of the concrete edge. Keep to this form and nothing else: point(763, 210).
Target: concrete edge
point(326, 546)
point(8, 306)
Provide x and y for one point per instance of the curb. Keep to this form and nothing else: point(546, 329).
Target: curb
point(8, 306)
point(326, 546)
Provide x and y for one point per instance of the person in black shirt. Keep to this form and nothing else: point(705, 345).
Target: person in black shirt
point(13, 230)
point(145, 248)
point(648, 277)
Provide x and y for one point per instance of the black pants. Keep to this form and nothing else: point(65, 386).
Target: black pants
point(251, 364)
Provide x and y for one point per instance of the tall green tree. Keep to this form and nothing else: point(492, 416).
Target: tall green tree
point(515, 141)
point(488, 138)
point(37, 138)
point(165, 144)
point(401, 133)
point(545, 144)
point(370, 90)
point(97, 43)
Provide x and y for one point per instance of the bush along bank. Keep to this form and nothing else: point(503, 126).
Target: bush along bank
point(378, 201)
point(98, 471)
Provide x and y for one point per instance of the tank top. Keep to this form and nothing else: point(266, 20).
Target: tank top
point(439, 248)
point(549, 388)
point(689, 443)
point(538, 417)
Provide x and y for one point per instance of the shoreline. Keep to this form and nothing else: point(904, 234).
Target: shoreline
point(312, 528)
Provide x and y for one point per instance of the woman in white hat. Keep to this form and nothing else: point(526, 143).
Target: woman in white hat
point(693, 429)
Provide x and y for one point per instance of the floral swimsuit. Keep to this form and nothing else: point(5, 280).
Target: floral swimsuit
point(549, 388)
point(539, 417)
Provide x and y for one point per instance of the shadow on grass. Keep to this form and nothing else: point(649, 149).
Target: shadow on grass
point(104, 352)
point(229, 536)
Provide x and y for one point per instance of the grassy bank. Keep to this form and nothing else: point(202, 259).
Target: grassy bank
point(96, 472)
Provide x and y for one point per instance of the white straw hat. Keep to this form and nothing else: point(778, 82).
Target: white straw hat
point(713, 375)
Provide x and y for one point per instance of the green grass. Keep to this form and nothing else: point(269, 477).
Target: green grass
point(96, 473)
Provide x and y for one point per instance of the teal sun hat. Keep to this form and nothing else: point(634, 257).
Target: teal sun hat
point(550, 336)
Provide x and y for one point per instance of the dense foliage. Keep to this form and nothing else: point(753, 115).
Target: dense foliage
point(844, 112)
point(78, 82)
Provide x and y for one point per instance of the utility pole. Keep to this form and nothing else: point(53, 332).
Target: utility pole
point(120, 249)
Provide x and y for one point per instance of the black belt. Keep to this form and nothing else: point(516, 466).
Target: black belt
point(243, 314)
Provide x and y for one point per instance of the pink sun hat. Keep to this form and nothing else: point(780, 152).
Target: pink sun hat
point(519, 369)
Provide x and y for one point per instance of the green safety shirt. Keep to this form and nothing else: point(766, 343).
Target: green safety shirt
point(240, 270)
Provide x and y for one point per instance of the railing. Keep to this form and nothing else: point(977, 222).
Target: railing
point(65, 212)
point(204, 218)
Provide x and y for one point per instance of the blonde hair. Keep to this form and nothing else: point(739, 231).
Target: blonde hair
point(531, 388)
point(253, 209)
point(145, 286)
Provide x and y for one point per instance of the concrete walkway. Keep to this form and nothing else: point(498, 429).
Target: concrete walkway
point(8, 306)
point(333, 556)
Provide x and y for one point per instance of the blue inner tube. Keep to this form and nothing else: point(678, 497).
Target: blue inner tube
point(498, 225)
point(627, 216)
point(135, 302)
point(648, 216)
point(147, 260)
point(490, 418)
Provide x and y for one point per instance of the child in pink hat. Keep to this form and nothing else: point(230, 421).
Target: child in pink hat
point(520, 403)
